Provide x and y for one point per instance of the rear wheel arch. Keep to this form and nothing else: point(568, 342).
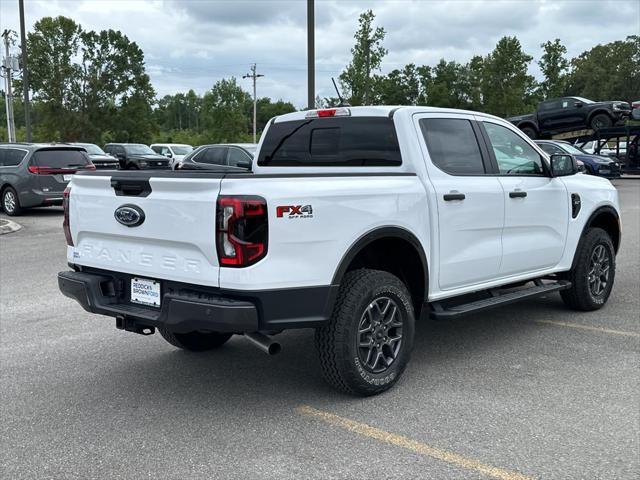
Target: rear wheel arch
point(394, 250)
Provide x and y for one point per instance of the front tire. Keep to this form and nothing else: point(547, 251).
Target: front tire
point(195, 341)
point(601, 120)
point(593, 273)
point(366, 345)
point(11, 202)
point(530, 132)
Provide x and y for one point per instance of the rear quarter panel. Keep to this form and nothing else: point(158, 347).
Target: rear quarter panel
point(306, 251)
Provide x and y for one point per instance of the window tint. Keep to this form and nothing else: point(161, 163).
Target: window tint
point(350, 141)
point(214, 156)
point(452, 145)
point(550, 105)
point(550, 148)
point(237, 155)
point(156, 148)
point(60, 158)
point(513, 154)
point(11, 157)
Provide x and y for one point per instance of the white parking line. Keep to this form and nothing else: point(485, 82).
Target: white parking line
point(408, 444)
point(589, 327)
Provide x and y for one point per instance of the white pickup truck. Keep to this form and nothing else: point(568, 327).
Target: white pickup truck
point(354, 222)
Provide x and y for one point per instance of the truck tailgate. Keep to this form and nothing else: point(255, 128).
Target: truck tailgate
point(175, 241)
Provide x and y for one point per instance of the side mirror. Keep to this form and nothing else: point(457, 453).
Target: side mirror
point(168, 155)
point(244, 164)
point(578, 104)
point(563, 165)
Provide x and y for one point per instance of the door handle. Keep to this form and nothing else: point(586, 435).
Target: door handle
point(448, 197)
point(517, 194)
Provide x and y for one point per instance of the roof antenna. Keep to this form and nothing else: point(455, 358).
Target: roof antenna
point(342, 102)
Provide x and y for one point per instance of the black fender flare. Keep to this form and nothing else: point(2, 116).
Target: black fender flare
point(376, 234)
point(589, 222)
point(528, 123)
point(598, 112)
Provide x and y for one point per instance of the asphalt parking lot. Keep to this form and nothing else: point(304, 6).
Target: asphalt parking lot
point(532, 390)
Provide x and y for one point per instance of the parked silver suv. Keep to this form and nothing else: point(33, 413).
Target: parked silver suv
point(34, 175)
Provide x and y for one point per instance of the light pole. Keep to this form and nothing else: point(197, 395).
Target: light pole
point(311, 65)
point(254, 76)
point(25, 74)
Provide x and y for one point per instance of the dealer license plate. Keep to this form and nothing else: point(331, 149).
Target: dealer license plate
point(145, 291)
point(605, 171)
point(66, 178)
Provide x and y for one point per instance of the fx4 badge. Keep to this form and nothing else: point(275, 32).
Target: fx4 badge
point(294, 211)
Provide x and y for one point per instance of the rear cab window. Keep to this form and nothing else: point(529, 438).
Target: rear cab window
point(60, 158)
point(331, 142)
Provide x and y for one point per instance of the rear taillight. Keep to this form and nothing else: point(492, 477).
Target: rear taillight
point(65, 222)
point(241, 230)
point(49, 171)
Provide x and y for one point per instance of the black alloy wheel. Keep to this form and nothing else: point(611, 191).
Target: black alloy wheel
point(380, 335)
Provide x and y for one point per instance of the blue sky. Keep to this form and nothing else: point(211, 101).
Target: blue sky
point(191, 44)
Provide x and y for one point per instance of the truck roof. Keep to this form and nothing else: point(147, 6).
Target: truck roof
point(377, 111)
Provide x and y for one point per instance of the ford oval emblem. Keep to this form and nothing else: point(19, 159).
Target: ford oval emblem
point(129, 215)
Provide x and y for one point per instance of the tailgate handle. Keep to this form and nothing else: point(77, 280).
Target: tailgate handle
point(128, 187)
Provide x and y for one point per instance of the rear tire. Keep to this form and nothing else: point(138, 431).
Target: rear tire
point(11, 202)
point(367, 343)
point(593, 273)
point(601, 120)
point(530, 132)
point(195, 341)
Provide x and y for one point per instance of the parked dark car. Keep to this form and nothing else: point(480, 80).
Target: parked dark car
point(34, 175)
point(228, 154)
point(593, 164)
point(571, 113)
point(136, 156)
point(98, 157)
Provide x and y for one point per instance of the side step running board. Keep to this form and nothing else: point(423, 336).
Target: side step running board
point(496, 299)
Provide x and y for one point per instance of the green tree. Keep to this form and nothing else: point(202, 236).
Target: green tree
point(223, 112)
point(399, 87)
point(53, 45)
point(608, 72)
point(266, 110)
point(507, 88)
point(85, 80)
point(554, 66)
point(447, 86)
point(367, 54)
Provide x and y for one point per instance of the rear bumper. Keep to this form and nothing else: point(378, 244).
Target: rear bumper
point(37, 198)
point(187, 308)
point(180, 312)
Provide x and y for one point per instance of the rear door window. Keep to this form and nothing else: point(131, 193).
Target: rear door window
point(550, 148)
point(213, 156)
point(60, 158)
point(11, 157)
point(453, 146)
point(345, 142)
point(237, 155)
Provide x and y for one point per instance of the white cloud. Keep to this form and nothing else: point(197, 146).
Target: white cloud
point(191, 44)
